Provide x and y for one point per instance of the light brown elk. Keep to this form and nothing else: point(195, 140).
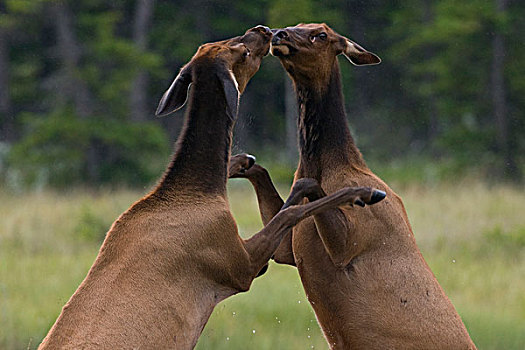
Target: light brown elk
point(362, 271)
point(170, 258)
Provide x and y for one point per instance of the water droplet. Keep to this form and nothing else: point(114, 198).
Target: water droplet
point(298, 301)
point(355, 243)
point(227, 338)
point(279, 321)
point(253, 331)
point(308, 337)
point(453, 260)
point(308, 328)
point(233, 313)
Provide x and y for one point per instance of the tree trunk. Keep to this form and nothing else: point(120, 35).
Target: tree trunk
point(509, 168)
point(433, 120)
point(360, 106)
point(140, 110)
point(240, 134)
point(290, 113)
point(202, 10)
point(73, 87)
point(7, 129)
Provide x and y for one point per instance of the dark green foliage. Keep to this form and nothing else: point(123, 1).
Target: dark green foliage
point(54, 147)
point(432, 98)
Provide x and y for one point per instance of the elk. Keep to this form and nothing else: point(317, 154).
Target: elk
point(173, 255)
point(362, 271)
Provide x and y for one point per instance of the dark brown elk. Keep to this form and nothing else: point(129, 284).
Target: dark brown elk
point(361, 269)
point(173, 255)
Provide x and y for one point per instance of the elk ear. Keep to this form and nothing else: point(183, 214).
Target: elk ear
point(357, 55)
point(231, 91)
point(177, 94)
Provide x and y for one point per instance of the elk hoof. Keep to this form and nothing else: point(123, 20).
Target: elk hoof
point(251, 160)
point(377, 196)
point(359, 202)
point(239, 164)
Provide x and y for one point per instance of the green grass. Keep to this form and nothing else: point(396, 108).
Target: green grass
point(472, 236)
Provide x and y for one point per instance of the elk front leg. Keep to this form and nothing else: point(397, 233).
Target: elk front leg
point(269, 200)
point(333, 227)
point(262, 245)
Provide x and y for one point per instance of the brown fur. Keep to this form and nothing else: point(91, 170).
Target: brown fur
point(361, 268)
point(170, 258)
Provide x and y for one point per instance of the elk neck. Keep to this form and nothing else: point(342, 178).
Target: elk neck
point(325, 140)
point(202, 150)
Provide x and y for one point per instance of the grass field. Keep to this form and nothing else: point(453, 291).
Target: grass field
point(472, 236)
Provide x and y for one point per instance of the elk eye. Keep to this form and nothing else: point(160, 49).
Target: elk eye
point(246, 53)
point(322, 36)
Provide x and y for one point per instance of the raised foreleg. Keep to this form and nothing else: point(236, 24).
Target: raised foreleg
point(269, 200)
point(333, 227)
point(262, 245)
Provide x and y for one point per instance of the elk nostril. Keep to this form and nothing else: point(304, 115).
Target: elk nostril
point(281, 34)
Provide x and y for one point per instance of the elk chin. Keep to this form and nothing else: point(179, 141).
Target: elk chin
point(280, 50)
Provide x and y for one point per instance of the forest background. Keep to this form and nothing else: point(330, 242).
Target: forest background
point(80, 81)
point(441, 120)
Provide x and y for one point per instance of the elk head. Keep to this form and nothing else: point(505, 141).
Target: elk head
point(308, 51)
point(236, 59)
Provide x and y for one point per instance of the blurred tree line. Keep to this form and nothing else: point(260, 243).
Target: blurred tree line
point(80, 81)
